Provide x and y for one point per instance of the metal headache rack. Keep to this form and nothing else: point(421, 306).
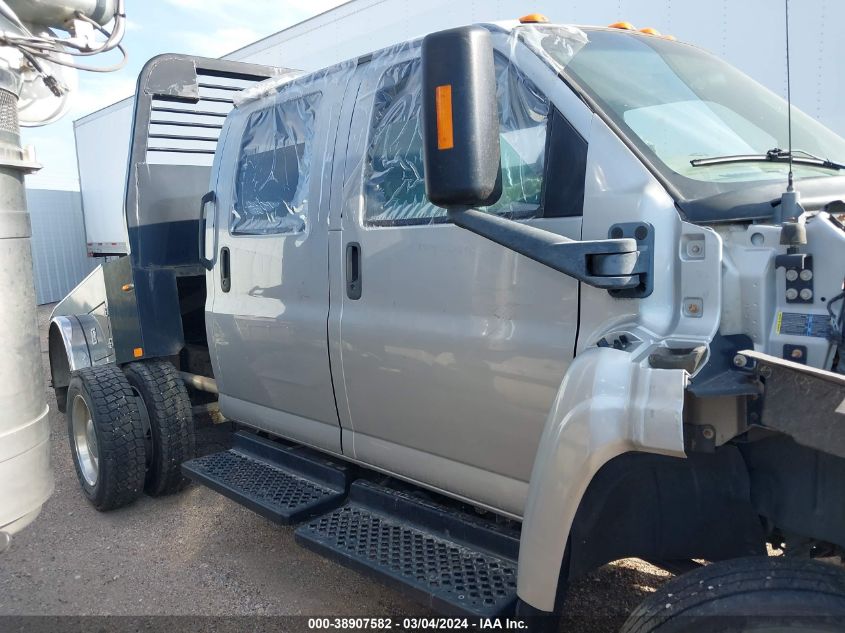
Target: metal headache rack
point(185, 119)
point(193, 128)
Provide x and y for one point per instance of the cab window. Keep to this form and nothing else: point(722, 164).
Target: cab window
point(394, 178)
point(272, 177)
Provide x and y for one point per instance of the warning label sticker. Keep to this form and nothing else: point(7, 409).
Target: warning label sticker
point(796, 324)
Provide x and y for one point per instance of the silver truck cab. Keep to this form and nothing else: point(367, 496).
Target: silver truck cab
point(607, 339)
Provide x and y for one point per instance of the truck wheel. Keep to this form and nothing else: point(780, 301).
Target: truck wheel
point(747, 594)
point(169, 420)
point(106, 436)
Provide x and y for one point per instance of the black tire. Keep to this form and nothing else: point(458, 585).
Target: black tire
point(116, 477)
point(171, 438)
point(747, 594)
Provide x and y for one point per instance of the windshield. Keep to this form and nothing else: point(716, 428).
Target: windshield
point(677, 103)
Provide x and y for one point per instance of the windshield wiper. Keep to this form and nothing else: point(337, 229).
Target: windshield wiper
point(775, 155)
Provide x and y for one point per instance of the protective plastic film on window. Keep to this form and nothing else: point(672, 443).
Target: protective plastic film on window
point(266, 88)
point(557, 45)
point(274, 168)
point(394, 180)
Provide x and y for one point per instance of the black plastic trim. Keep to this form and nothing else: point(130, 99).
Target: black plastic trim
point(613, 264)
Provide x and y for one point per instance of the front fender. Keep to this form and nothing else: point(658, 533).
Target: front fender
point(75, 341)
point(606, 405)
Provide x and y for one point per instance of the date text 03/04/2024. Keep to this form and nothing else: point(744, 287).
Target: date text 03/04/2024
point(387, 624)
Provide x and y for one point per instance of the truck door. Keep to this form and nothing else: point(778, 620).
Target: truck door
point(452, 347)
point(267, 325)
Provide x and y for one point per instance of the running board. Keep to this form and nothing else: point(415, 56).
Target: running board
point(284, 484)
point(454, 562)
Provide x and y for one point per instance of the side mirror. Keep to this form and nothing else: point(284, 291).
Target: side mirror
point(463, 170)
point(460, 119)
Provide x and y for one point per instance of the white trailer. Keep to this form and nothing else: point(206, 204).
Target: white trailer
point(102, 175)
point(748, 34)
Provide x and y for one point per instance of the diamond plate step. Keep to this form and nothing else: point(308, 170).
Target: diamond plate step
point(451, 561)
point(284, 484)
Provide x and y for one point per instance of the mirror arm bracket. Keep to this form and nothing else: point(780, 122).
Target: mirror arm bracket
point(622, 265)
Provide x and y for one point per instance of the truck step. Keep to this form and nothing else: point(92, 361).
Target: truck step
point(284, 484)
point(451, 561)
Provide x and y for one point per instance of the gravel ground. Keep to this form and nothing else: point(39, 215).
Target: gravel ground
point(198, 553)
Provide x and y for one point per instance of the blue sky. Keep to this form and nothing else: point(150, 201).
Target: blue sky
point(201, 27)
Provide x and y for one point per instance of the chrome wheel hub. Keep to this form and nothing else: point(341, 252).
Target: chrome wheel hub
point(85, 440)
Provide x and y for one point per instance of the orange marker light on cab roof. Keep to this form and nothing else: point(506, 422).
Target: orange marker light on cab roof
point(670, 37)
point(626, 26)
point(650, 31)
point(533, 18)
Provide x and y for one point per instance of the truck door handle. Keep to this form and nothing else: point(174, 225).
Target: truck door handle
point(225, 270)
point(353, 270)
point(206, 199)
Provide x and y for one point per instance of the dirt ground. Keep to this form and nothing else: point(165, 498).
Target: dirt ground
point(197, 553)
